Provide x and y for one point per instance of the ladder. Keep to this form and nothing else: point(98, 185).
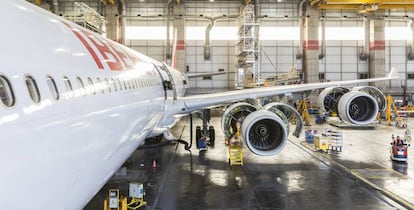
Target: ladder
point(235, 154)
point(302, 108)
point(391, 108)
point(235, 148)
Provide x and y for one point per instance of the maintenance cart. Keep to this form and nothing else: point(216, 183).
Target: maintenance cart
point(335, 140)
point(321, 142)
point(399, 151)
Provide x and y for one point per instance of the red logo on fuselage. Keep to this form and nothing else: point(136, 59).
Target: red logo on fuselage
point(115, 56)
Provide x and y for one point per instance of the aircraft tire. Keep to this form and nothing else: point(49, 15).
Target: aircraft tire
point(198, 135)
point(212, 135)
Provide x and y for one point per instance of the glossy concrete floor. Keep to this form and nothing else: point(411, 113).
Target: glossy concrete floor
point(362, 176)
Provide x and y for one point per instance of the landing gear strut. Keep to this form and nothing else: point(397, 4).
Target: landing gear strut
point(207, 133)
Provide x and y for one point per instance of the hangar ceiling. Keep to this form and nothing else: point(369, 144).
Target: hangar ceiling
point(363, 5)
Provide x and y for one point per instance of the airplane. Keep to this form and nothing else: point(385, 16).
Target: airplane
point(74, 106)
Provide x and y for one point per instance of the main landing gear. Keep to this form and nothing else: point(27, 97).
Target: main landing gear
point(206, 135)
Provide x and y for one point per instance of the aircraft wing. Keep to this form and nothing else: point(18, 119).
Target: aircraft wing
point(192, 103)
point(195, 75)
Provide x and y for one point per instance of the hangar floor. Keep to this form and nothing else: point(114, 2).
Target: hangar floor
point(362, 176)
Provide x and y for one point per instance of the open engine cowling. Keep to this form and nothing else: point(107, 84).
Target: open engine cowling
point(376, 93)
point(263, 129)
point(234, 114)
point(329, 97)
point(264, 133)
point(357, 107)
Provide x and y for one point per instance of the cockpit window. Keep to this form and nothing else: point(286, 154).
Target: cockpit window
point(52, 87)
point(32, 88)
point(6, 92)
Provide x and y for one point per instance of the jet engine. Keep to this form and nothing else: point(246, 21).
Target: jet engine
point(357, 106)
point(376, 93)
point(264, 130)
point(264, 133)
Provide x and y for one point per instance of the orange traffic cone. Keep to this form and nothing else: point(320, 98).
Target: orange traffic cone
point(154, 164)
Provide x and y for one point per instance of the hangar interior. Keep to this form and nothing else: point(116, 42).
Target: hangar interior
point(332, 40)
point(344, 38)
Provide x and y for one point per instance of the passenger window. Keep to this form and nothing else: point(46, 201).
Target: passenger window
point(69, 88)
point(136, 83)
point(91, 86)
point(129, 84)
point(114, 84)
point(140, 83)
point(6, 92)
point(108, 85)
point(81, 86)
point(52, 88)
point(33, 89)
point(125, 85)
point(100, 85)
point(133, 83)
point(119, 84)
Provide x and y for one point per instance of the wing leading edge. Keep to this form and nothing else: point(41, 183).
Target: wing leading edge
point(186, 105)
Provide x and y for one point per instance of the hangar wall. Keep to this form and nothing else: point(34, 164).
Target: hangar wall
point(341, 61)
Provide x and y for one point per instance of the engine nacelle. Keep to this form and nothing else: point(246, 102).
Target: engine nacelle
point(328, 99)
point(234, 114)
point(376, 93)
point(357, 107)
point(286, 112)
point(264, 133)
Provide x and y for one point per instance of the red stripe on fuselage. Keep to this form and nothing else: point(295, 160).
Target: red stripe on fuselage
point(116, 56)
point(126, 58)
point(86, 44)
point(105, 51)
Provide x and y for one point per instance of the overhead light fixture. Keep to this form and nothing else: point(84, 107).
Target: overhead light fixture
point(211, 0)
point(364, 8)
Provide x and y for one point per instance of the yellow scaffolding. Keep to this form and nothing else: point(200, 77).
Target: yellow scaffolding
point(391, 108)
point(302, 108)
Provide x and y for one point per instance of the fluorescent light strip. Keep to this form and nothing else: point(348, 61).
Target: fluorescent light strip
point(266, 33)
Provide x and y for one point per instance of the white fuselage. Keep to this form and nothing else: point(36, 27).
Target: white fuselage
point(64, 150)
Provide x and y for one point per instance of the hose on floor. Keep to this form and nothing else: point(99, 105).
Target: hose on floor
point(179, 140)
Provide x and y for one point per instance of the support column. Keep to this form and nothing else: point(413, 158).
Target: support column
point(111, 16)
point(377, 51)
point(310, 60)
point(179, 24)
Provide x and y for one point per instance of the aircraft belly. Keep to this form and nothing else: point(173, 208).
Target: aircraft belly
point(73, 156)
